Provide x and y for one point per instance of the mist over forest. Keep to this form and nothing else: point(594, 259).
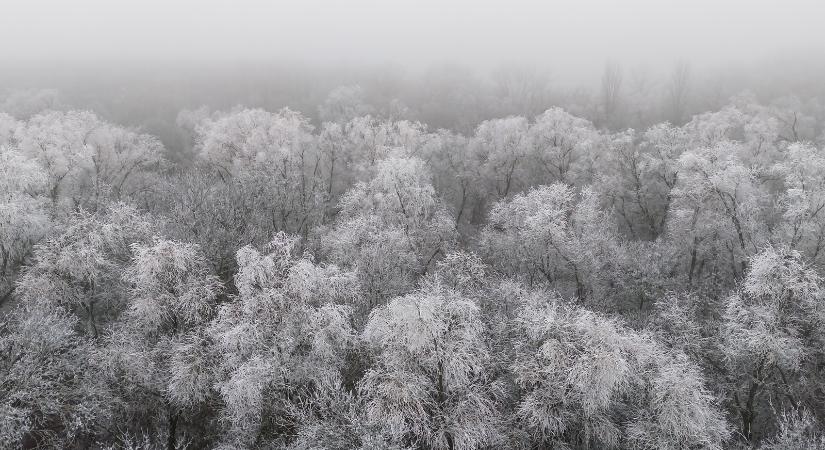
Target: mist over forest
point(445, 95)
point(412, 225)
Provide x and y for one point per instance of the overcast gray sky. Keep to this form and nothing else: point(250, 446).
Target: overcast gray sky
point(576, 35)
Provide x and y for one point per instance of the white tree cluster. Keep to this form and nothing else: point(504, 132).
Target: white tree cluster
point(368, 282)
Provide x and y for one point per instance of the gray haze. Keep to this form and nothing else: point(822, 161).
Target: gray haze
point(573, 39)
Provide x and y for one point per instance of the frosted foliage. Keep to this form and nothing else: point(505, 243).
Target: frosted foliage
point(391, 227)
point(759, 127)
point(803, 202)
point(158, 353)
point(81, 267)
point(783, 274)
point(429, 383)
point(368, 139)
point(237, 140)
point(711, 128)
point(334, 419)
point(564, 145)
point(92, 247)
point(84, 157)
point(42, 385)
point(23, 221)
point(764, 324)
point(189, 380)
point(544, 236)
point(587, 378)
point(531, 228)
point(462, 270)
point(718, 206)
point(349, 279)
point(23, 214)
point(8, 125)
point(798, 430)
point(666, 142)
point(501, 146)
point(171, 288)
point(401, 190)
point(288, 329)
point(636, 173)
point(19, 174)
point(59, 142)
point(270, 174)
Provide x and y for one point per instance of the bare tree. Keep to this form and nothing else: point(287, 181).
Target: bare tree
point(611, 93)
point(678, 90)
point(523, 90)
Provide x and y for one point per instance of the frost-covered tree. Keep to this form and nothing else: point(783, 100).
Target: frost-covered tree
point(24, 216)
point(334, 419)
point(797, 430)
point(255, 173)
point(351, 150)
point(149, 308)
point(284, 337)
point(332, 146)
point(528, 235)
point(544, 236)
point(87, 160)
point(430, 386)
point(391, 229)
point(502, 146)
point(772, 339)
point(802, 203)
point(585, 380)
point(157, 356)
point(49, 394)
point(368, 140)
point(270, 155)
point(760, 345)
point(636, 177)
point(240, 140)
point(8, 126)
point(563, 147)
point(220, 217)
point(717, 214)
point(456, 174)
point(80, 268)
point(657, 170)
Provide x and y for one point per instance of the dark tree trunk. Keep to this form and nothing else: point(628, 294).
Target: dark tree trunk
point(171, 440)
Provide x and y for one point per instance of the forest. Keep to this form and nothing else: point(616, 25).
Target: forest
point(436, 264)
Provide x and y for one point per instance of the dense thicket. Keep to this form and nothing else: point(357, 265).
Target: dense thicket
point(373, 282)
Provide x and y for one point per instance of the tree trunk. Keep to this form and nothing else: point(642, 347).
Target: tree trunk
point(171, 440)
point(92, 327)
